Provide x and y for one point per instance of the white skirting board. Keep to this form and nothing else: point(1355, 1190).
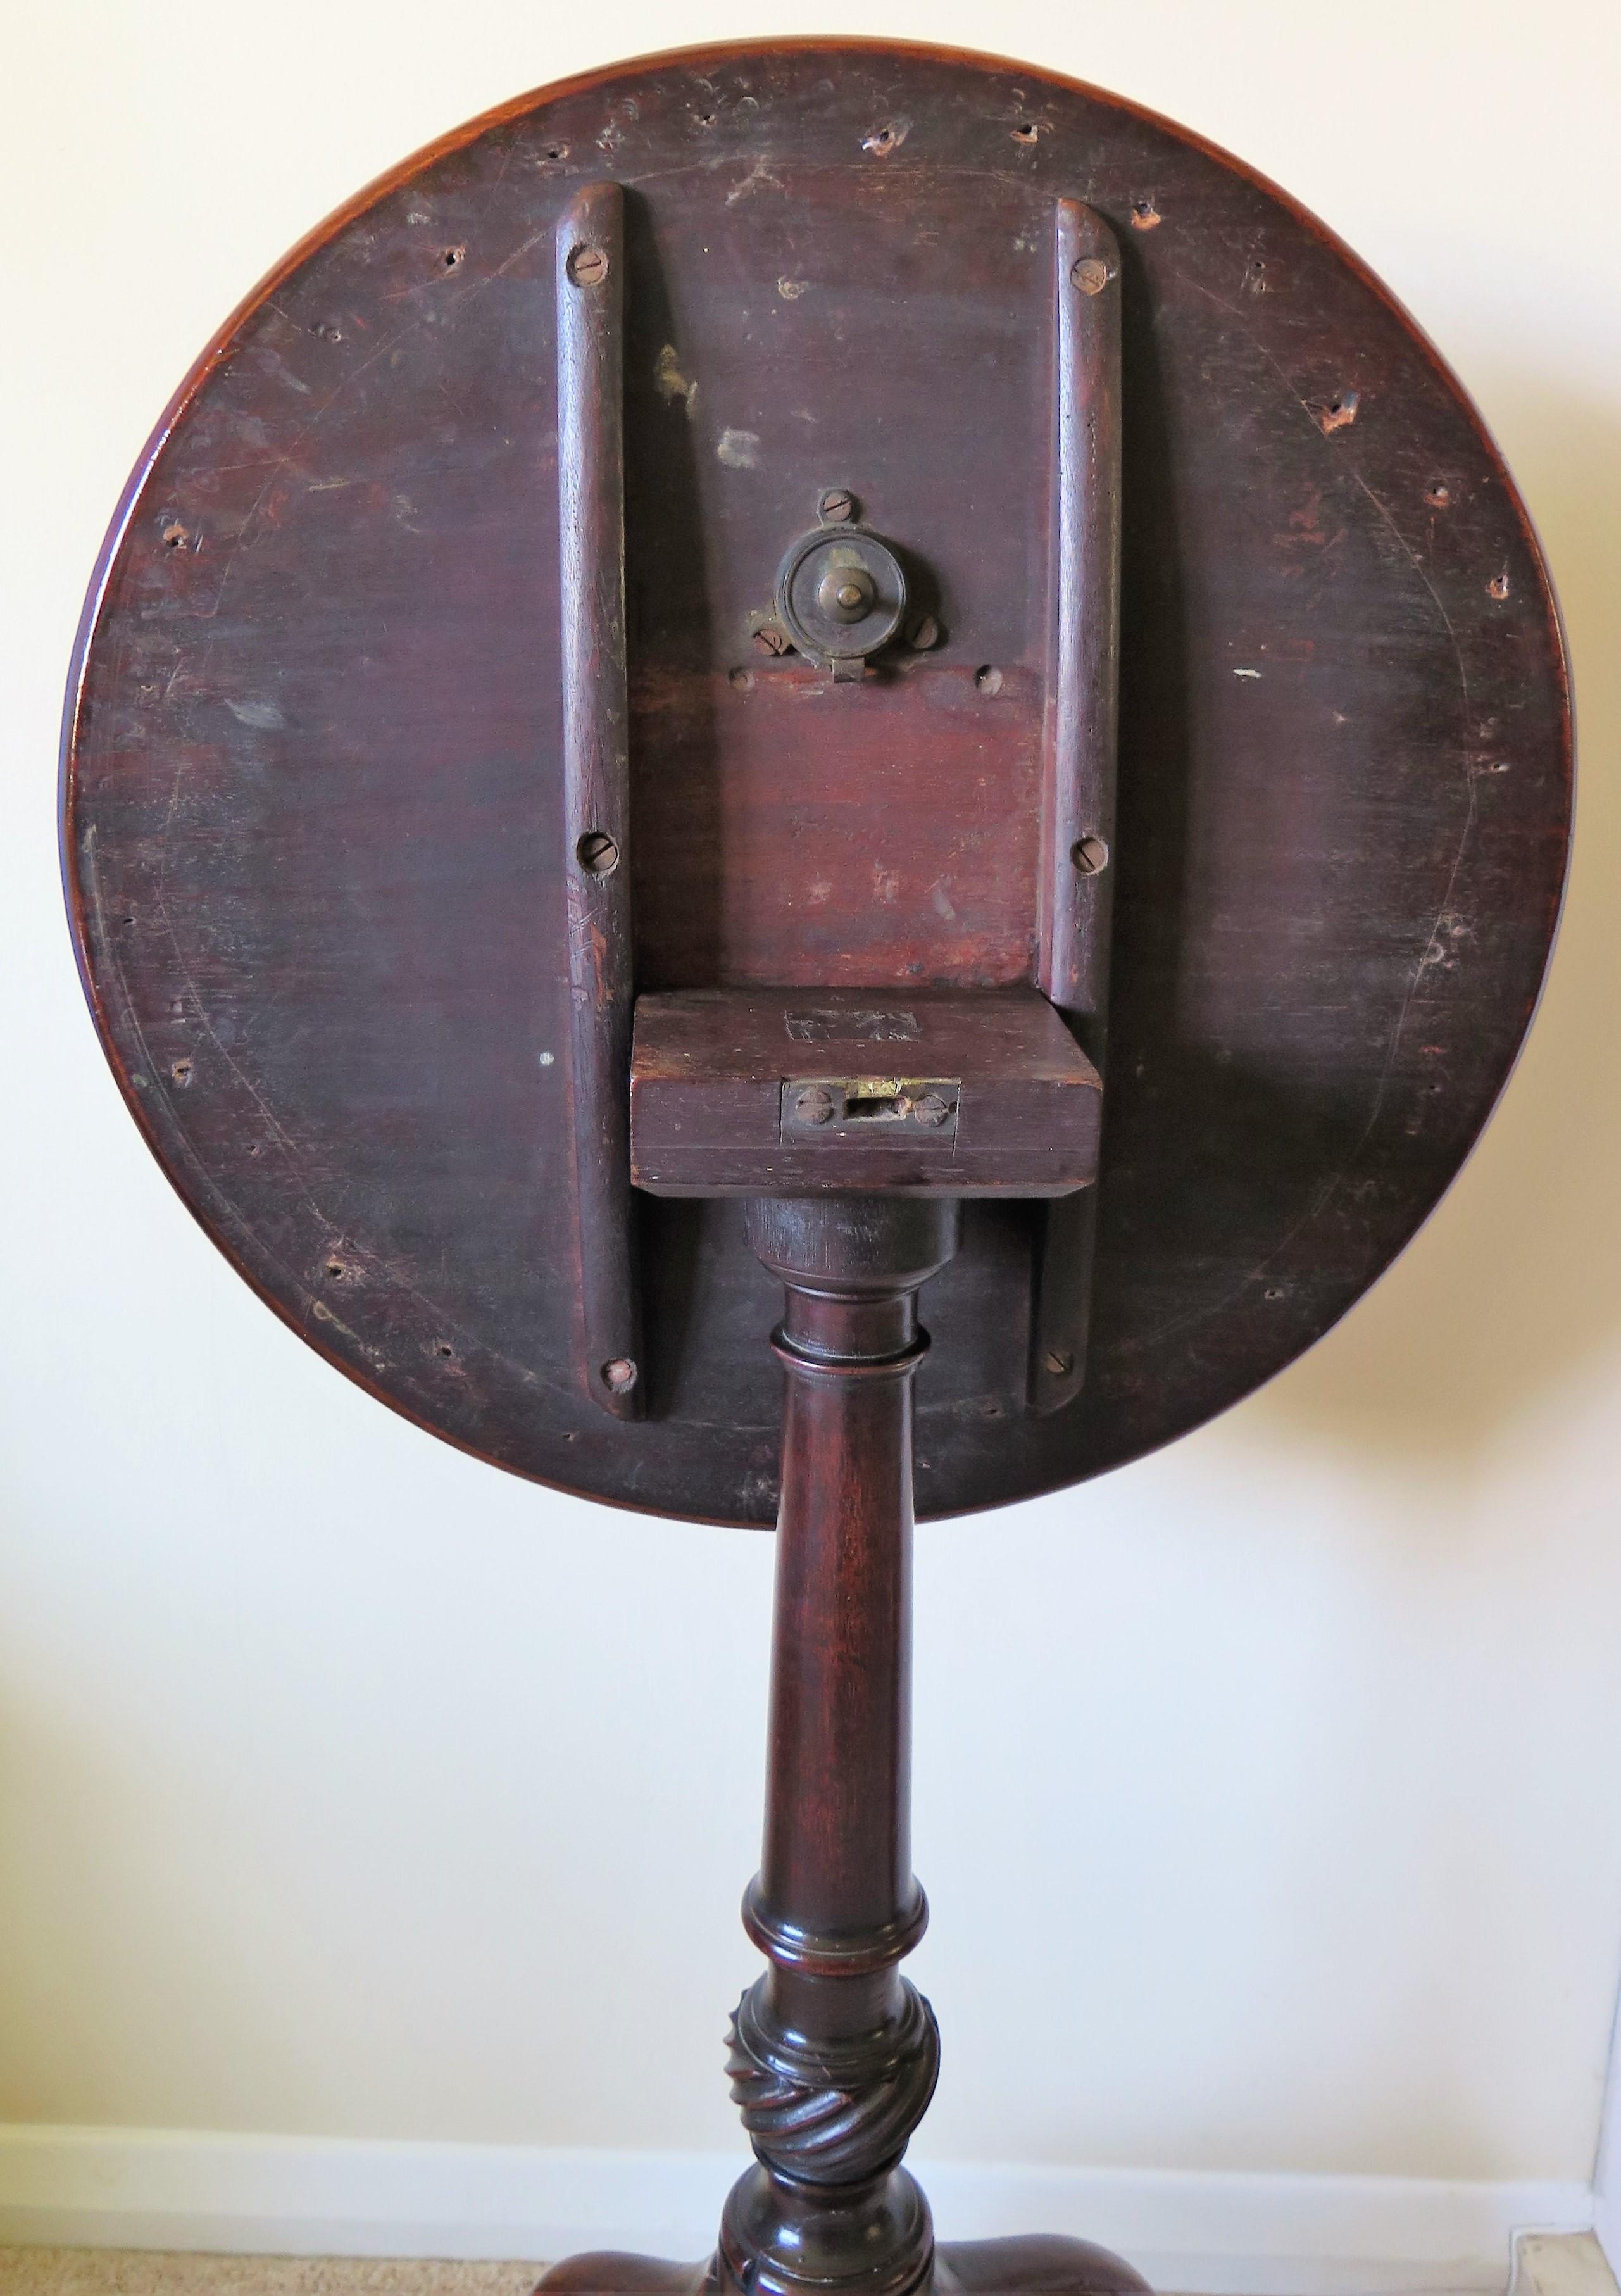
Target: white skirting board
point(1607, 2177)
point(1205, 2235)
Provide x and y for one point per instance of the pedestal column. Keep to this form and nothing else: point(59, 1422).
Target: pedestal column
point(834, 2054)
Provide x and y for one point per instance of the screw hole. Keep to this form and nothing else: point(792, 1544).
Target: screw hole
point(1333, 414)
point(174, 536)
point(1274, 1291)
point(884, 139)
point(743, 679)
point(1498, 587)
point(443, 1348)
point(1026, 132)
point(1437, 494)
point(336, 1271)
point(987, 678)
point(454, 257)
point(587, 267)
point(1145, 214)
point(181, 1072)
point(557, 151)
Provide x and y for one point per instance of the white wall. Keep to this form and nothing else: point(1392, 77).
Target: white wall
point(348, 1788)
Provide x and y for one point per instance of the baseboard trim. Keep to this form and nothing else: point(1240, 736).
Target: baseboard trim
point(1205, 2235)
point(1607, 2169)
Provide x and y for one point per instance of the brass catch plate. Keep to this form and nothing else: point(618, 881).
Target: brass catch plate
point(870, 1108)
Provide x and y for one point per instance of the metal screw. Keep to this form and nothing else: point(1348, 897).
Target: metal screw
point(1059, 1361)
point(924, 633)
point(932, 1110)
point(836, 506)
point(770, 639)
point(1090, 274)
point(988, 679)
point(814, 1106)
point(587, 267)
point(619, 1376)
point(1089, 854)
point(598, 853)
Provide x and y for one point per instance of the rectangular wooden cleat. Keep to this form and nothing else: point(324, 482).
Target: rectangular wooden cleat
point(786, 1092)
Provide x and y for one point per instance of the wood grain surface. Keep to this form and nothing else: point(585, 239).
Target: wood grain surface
point(314, 822)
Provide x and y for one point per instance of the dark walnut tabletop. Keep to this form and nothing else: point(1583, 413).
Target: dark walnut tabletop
point(312, 798)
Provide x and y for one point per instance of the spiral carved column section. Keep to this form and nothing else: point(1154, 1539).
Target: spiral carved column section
point(840, 2111)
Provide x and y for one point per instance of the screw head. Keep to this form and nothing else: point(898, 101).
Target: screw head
point(1059, 1361)
point(597, 853)
point(837, 505)
point(924, 633)
point(932, 1110)
point(619, 1376)
point(769, 638)
point(1090, 274)
point(814, 1106)
point(587, 267)
point(1088, 856)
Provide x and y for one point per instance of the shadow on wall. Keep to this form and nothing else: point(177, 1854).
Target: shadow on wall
point(124, 1944)
point(1514, 1288)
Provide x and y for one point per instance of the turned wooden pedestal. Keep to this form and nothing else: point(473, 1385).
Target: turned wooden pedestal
point(833, 2053)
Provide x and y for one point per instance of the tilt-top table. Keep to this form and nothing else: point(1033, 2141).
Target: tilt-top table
point(783, 683)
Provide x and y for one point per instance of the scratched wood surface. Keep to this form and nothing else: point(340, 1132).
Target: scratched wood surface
point(314, 831)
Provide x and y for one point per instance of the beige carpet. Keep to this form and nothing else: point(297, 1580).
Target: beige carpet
point(135, 2272)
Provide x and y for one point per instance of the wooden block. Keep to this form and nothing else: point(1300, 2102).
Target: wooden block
point(741, 1091)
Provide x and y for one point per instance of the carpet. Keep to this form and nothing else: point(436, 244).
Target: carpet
point(139, 2272)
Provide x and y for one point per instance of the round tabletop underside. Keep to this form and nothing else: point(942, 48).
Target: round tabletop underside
point(311, 778)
